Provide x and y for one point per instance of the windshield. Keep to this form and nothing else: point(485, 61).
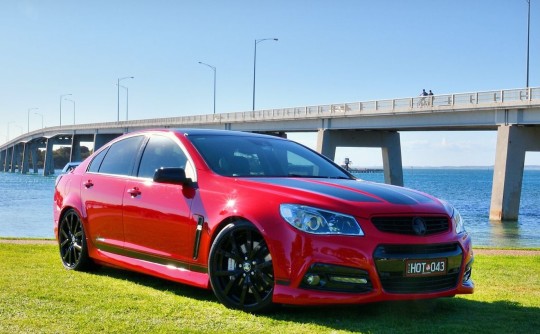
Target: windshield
point(262, 157)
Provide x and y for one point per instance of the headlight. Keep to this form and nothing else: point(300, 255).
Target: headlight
point(456, 217)
point(458, 221)
point(318, 221)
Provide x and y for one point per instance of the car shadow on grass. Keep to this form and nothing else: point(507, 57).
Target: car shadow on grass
point(456, 314)
point(425, 316)
point(157, 283)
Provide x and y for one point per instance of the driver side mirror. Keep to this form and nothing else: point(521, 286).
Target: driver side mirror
point(173, 175)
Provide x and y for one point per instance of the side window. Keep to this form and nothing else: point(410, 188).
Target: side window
point(120, 157)
point(160, 152)
point(96, 162)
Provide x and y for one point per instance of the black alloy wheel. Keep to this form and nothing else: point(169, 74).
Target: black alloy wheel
point(72, 242)
point(240, 268)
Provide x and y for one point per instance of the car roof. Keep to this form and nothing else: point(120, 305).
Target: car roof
point(211, 132)
point(193, 132)
point(217, 132)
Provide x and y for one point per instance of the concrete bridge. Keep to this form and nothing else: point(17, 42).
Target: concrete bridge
point(513, 113)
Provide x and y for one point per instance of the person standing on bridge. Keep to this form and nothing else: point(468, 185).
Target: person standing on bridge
point(422, 101)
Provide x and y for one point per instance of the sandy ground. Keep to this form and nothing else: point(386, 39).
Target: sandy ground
point(479, 251)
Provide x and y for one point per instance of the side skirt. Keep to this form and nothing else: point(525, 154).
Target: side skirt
point(169, 269)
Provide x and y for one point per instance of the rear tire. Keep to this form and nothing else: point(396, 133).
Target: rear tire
point(240, 268)
point(72, 242)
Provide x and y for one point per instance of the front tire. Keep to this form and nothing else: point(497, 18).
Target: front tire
point(72, 242)
point(240, 268)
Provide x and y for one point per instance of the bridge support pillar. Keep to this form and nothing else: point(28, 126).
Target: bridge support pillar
point(76, 141)
point(35, 158)
point(30, 155)
point(15, 160)
point(101, 139)
point(512, 143)
point(2, 160)
point(75, 154)
point(25, 156)
point(7, 160)
point(20, 157)
point(388, 141)
point(48, 165)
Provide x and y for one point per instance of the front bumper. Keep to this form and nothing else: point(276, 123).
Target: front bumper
point(351, 276)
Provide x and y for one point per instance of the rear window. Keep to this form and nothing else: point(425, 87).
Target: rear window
point(96, 161)
point(120, 157)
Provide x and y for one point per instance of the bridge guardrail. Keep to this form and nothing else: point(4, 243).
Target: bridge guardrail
point(421, 104)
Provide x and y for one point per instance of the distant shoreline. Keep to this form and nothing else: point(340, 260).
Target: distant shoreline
point(530, 167)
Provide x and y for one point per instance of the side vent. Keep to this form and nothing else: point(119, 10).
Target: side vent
point(200, 223)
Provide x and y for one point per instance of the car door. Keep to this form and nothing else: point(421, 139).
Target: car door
point(157, 218)
point(102, 191)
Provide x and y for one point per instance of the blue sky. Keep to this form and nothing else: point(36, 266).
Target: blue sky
point(328, 52)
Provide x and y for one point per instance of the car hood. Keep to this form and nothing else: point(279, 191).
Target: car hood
point(358, 191)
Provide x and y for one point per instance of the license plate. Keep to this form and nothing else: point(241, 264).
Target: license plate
point(429, 267)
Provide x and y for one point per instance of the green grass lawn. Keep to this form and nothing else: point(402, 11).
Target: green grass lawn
point(37, 295)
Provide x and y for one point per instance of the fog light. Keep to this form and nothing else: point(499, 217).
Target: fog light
point(313, 279)
point(335, 278)
point(353, 280)
point(467, 274)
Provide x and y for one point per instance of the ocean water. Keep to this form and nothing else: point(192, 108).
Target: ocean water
point(26, 203)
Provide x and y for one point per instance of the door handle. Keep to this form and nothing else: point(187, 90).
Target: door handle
point(134, 192)
point(88, 184)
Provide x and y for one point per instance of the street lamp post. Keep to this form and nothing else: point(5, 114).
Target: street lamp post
point(118, 96)
point(61, 97)
point(30, 109)
point(36, 113)
point(127, 101)
point(73, 109)
point(257, 41)
point(214, 69)
point(528, 37)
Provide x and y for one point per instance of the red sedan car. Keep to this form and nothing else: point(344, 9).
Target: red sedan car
point(261, 220)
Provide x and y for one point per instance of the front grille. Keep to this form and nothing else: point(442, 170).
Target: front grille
point(420, 284)
point(390, 261)
point(394, 250)
point(404, 225)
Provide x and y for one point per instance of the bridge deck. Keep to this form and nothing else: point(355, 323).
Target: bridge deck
point(473, 111)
